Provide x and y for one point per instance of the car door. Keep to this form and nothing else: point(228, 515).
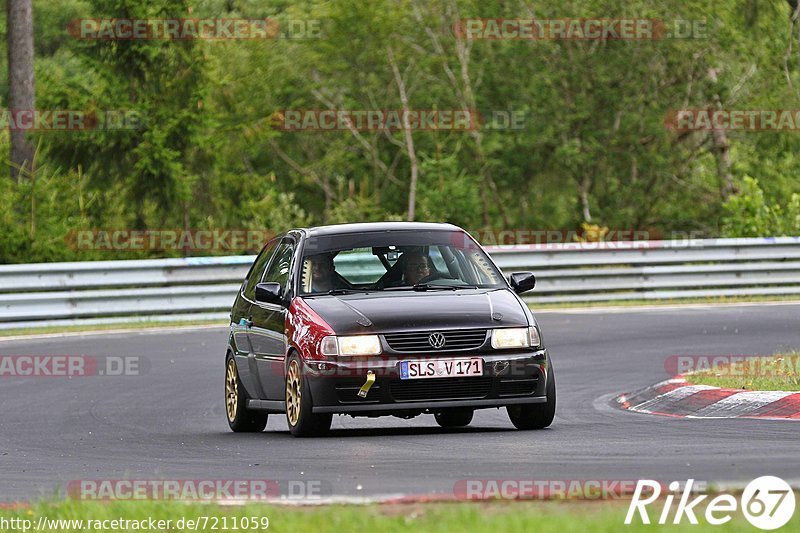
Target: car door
point(267, 333)
point(241, 321)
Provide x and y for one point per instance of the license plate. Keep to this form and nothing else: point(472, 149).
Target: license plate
point(441, 368)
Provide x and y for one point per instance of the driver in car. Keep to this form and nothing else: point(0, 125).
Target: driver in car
point(323, 275)
point(417, 267)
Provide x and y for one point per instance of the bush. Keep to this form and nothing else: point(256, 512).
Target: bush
point(749, 214)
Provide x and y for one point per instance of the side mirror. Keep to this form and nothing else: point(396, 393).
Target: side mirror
point(522, 281)
point(269, 292)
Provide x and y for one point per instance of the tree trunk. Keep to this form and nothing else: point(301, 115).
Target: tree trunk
point(412, 153)
point(21, 90)
point(583, 194)
point(721, 148)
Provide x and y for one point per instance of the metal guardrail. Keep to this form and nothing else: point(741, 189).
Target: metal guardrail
point(204, 287)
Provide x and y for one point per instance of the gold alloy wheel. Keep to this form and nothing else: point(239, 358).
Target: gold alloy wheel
point(231, 390)
point(293, 393)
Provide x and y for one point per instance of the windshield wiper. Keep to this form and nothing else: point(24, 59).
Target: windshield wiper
point(335, 292)
point(430, 287)
point(421, 287)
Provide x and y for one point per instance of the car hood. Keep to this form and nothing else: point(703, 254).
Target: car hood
point(391, 311)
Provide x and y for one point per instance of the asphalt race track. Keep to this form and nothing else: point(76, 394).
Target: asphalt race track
point(170, 422)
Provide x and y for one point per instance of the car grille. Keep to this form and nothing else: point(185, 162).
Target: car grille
point(439, 389)
point(417, 341)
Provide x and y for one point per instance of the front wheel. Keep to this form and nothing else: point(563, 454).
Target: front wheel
point(240, 418)
point(535, 415)
point(299, 406)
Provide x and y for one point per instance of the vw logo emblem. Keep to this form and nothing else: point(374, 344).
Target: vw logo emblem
point(436, 340)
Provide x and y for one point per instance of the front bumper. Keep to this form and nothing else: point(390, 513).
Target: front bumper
point(509, 378)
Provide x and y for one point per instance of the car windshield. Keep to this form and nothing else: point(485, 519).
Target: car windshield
point(395, 260)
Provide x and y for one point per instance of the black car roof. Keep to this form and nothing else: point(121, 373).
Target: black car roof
point(363, 227)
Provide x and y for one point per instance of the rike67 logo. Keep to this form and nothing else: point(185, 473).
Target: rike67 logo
point(767, 503)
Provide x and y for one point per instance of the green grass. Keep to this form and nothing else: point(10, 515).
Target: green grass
point(505, 516)
point(778, 372)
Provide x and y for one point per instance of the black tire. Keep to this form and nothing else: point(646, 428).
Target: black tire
point(240, 418)
point(302, 421)
point(535, 415)
point(453, 418)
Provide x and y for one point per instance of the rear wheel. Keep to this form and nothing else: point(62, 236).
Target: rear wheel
point(453, 418)
point(299, 406)
point(535, 415)
point(240, 418)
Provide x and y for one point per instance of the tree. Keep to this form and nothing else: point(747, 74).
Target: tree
point(21, 90)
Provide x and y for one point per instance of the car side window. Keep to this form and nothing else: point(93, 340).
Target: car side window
point(281, 266)
point(257, 271)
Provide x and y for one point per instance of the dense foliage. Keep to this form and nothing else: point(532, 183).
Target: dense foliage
point(591, 145)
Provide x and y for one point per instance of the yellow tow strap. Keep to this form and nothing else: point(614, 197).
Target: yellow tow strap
point(362, 393)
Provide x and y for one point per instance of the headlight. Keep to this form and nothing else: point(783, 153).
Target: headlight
point(515, 338)
point(352, 345)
